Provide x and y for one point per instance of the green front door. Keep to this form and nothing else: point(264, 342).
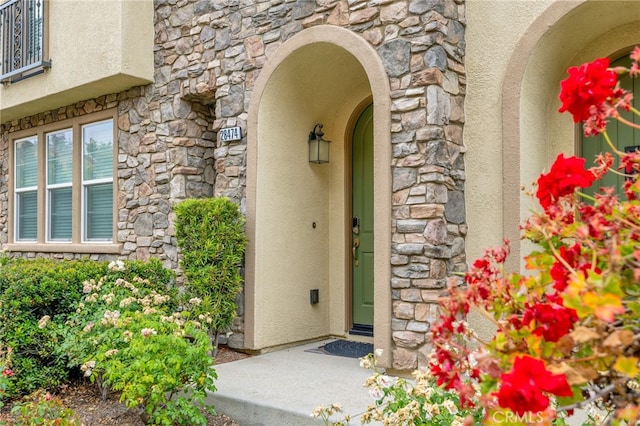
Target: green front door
point(624, 138)
point(362, 225)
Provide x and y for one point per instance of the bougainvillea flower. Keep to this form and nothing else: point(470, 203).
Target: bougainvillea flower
point(551, 320)
point(565, 176)
point(521, 389)
point(588, 85)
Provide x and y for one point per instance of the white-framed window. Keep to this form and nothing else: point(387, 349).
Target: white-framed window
point(26, 189)
point(63, 183)
point(59, 154)
point(97, 181)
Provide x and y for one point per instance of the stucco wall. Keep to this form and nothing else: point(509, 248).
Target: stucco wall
point(490, 46)
point(300, 207)
point(96, 47)
point(513, 130)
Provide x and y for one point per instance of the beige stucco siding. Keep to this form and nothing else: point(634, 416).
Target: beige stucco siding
point(300, 231)
point(513, 130)
point(490, 45)
point(96, 47)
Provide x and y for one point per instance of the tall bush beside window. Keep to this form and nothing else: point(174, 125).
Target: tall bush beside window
point(212, 240)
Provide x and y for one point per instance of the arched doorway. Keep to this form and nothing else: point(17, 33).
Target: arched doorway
point(298, 216)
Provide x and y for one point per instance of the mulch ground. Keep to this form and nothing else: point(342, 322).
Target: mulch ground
point(85, 400)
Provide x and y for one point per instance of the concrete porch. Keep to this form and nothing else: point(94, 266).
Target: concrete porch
point(282, 388)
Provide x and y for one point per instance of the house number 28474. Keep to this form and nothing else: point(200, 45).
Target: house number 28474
point(230, 134)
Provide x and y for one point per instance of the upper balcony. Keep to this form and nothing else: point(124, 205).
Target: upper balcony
point(23, 47)
point(56, 52)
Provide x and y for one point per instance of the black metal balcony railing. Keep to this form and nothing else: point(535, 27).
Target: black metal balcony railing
point(22, 39)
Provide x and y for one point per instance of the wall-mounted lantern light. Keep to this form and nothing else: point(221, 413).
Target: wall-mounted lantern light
point(318, 147)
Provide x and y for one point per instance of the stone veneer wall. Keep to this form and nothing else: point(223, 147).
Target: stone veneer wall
point(208, 53)
point(165, 154)
point(216, 48)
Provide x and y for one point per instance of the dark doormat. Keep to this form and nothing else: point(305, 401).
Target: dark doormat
point(346, 348)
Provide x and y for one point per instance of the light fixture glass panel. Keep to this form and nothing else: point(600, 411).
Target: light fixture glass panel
point(323, 151)
point(313, 151)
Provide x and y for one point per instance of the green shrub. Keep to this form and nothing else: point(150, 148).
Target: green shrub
point(126, 335)
point(29, 291)
point(212, 240)
point(38, 291)
point(42, 409)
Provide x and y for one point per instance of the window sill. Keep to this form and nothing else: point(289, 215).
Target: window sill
point(86, 248)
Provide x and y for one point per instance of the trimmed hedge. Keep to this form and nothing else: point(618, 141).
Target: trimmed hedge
point(212, 239)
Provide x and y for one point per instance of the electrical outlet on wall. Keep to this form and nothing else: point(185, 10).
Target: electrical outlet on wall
point(314, 296)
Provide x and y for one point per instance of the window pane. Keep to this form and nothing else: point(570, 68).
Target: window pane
point(97, 148)
point(60, 214)
point(26, 163)
point(27, 208)
point(99, 212)
point(59, 157)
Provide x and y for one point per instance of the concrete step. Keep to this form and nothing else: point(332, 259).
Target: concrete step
point(282, 388)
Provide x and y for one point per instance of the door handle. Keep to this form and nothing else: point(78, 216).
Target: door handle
point(354, 250)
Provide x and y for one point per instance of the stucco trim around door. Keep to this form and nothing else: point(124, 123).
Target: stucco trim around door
point(378, 81)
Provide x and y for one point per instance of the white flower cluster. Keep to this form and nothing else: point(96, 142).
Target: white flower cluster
point(154, 299)
point(92, 298)
point(110, 318)
point(127, 301)
point(146, 332)
point(88, 367)
point(110, 352)
point(205, 318)
point(44, 321)
point(126, 284)
point(326, 412)
point(108, 298)
point(148, 310)
point(91, 285)
point(117, 265)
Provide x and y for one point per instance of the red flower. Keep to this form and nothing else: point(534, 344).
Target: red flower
point(552, 320)
point(521, 389)
point(559, 272)
point(7, 372)
point(588, 85)
point(565, 176)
